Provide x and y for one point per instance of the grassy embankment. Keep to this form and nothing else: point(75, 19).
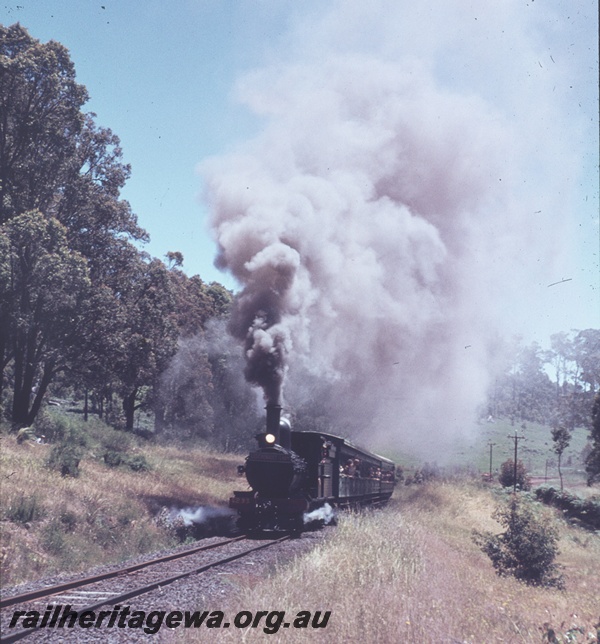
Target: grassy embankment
point(408, 573)
point(51, 523)
point(411, 573)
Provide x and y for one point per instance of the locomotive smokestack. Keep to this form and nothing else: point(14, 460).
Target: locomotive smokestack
point(273, 419)
point(281, 429)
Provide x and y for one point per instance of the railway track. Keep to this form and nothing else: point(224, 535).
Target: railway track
point(127, 583)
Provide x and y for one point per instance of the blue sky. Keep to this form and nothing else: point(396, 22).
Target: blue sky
point(162, 75)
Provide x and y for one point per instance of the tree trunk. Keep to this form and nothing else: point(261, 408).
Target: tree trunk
point(49, 371)
point(20, 403)
point(85, 406)
point(129, 409)
point(560, 473)
point(27, 349)
point(3, 353)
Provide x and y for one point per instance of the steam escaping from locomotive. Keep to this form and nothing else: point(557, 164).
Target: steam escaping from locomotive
point(199, 521)
point(381, 224)
point(324, 515)
point(200, 515)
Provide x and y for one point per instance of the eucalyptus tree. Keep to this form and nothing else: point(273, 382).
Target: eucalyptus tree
point(41, 120)
point(53, 158)
point(65, 231)
point(147, 338)
point(576, 356)
point(44, 287)
point(561, 437)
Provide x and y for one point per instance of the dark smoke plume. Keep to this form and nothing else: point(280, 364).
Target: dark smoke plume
point(258, 313)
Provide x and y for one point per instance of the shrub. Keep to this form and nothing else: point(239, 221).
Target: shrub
point(113, 458)
point(65, 459)
point(114, 440)
point(585, 510)
point(67, 454)
point(53, 538)
point(54, 426)
point(136, 462)
point(25, 509)
point(526, 550)
point(68, 519)
point(507, 475)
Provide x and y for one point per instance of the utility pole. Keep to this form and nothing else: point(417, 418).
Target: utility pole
point(491, 445)
point(516, 439)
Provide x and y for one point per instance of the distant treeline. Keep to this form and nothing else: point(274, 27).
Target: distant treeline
point(553, 387)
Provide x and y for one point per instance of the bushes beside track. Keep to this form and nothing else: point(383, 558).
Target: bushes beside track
point(587, 511)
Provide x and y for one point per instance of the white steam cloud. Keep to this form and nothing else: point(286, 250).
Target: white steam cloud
point(201, 515)
point(384, 218)
point(325, 514)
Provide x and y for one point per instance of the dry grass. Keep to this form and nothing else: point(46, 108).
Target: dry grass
point(411, 573)
point(106, 514)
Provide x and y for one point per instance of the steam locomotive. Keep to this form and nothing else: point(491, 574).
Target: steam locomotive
point(293, 474)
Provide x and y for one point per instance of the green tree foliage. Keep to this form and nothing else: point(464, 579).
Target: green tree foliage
point(525, 392)
point(592, 463)
point(40, 103)
point(147, 338)
point(527, 548)
point(561, 437)
point(507, 475)
point(197, 302)
point(587, 355)
point(575, 357)
point(81, 306)
point(44, 288)
point(52, 156)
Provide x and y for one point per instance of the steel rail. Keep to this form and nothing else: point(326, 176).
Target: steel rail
point(78, 583)
point(141, 590)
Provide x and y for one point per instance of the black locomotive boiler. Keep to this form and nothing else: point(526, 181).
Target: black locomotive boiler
point(291, 474)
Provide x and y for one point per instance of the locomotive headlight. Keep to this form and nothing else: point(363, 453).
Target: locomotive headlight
point(269, 439)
